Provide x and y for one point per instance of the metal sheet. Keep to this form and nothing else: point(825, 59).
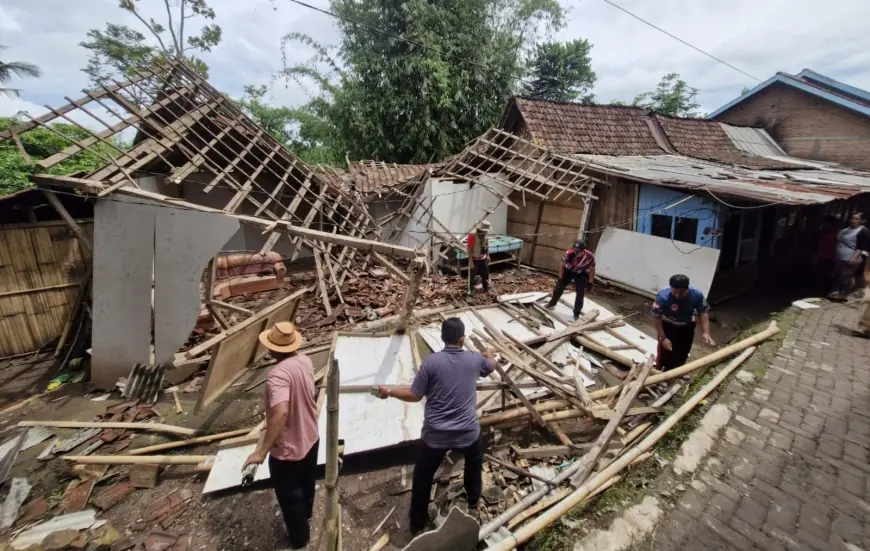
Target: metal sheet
point(9, 459)
point(184, 241)
point(647, 262)
point(35, 435)
point(754, 141)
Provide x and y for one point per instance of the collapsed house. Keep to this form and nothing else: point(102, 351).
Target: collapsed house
point(200, 178)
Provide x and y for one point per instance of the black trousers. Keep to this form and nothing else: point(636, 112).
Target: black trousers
point(580, 279)
point(424, 474)
point(294, 487)
point(681, 337)
point(481, 268)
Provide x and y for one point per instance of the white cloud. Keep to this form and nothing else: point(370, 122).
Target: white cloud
point(10, 107)
point(760, 37)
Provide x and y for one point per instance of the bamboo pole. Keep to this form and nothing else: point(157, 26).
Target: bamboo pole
point(134, 460)
point(381, 543)
point(152, 427)
point(528, 531)
point(333, 526)
point(518, 470)
point(652, 379)
point(415, 279)
point(191, 442)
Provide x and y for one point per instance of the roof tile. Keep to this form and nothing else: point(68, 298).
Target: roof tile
point(593, 129)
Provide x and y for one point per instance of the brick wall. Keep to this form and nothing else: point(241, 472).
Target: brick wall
point(806, 126)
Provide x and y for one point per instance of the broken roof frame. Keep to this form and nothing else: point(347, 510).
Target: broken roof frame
point(504, 158)
point(185, 126)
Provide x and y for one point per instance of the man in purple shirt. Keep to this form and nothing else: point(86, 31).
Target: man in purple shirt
point(448, 380)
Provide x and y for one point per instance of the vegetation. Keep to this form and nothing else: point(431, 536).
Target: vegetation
point(119, 50)
point(41, 143)
point(18, 69)
point(672, 97)
point(441, 79)
point(562, 71)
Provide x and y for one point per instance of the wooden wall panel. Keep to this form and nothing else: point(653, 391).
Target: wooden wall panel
point(41, 267)
point(616, 207)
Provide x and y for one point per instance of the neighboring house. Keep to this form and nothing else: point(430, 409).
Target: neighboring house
point(695, 181)
point(812, 116)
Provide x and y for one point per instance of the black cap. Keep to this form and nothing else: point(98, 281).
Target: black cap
point(679, 281)
point(452, 330)
point(579, 245)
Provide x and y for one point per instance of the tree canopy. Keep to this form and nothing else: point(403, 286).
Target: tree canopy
point(672, 97)
point(441, 79)
point(119, 50)
point(15, 68)
point(562, 71)
point(41, 143)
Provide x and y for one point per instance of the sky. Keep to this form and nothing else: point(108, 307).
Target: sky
point(760, 37)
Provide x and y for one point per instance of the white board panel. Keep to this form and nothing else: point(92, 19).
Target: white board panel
point(647, 262)
point(366, 422)
point(123, 267)
point(184, 242)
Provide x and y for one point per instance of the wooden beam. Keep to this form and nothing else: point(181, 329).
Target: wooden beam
point(73, 225)
point(151, 427)
point(392, 268)
point(91, 187)
point(259, 316)
point(415, 279)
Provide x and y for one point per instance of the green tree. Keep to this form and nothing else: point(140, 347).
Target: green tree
point(119, 50)
point(672, 97)
point(562, 71)
point(745, 89)
point(18, 69)
point(41, 143)
point(424, 95)
point(301, 129)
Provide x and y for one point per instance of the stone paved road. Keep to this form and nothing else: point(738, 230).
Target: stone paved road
point(791, 468)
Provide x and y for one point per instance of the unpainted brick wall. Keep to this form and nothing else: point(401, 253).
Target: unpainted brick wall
point(806, 126)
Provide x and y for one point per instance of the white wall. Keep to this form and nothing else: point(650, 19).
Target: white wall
point(459, 206)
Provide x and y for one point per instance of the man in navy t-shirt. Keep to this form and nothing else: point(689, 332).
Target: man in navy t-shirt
point(448, 380)
point(675, 310)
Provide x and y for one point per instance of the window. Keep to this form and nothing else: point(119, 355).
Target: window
point(686, 230)
point(661, 225)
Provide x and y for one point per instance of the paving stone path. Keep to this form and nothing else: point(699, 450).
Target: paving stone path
point(790, 470)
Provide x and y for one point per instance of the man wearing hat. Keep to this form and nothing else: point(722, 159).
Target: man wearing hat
point(291, 438)
point(448, 380)
point(478, 252)
point(578, 266)
point(676, 310)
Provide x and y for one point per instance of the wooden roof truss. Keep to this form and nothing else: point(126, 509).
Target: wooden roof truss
point(184, 126)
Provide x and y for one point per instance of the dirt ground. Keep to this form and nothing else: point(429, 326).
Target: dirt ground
point(370, 485)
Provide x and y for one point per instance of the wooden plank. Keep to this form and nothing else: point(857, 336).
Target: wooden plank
point(229, 362)
point(42, 247)
point(64, 214)
point(256, 318)
point(21, 251)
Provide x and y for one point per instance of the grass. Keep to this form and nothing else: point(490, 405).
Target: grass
point(635, 483)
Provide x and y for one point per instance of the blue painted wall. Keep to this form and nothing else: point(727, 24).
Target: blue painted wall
point(653, 200)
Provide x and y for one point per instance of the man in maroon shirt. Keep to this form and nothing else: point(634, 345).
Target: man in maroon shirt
point(578, 266)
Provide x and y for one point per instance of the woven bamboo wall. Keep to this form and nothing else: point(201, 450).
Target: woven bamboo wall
point(41, 266)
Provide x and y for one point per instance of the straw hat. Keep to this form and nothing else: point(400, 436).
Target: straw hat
point(484, 227)
point(282, 337)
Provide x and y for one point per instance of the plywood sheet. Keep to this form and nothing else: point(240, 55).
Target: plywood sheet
point(647, 262)
point(184, 241)
point(123, 265)
point(228, 362)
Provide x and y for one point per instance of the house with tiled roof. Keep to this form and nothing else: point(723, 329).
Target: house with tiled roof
point(701, 184)
point(810, 115)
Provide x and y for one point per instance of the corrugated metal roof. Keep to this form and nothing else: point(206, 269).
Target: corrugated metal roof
point(755, 141)
point(796, 187)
